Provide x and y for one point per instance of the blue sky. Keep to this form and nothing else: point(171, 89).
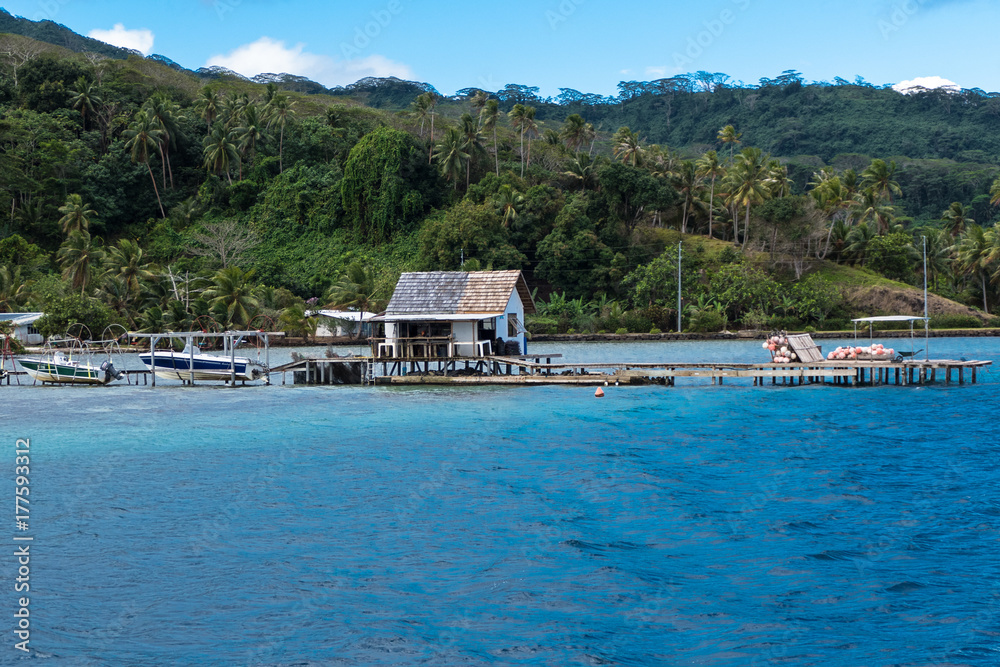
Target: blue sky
point(589, 45)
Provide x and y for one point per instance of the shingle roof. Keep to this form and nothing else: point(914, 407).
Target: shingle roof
point(459, 292)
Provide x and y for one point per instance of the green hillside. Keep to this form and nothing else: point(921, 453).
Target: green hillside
point(137, 192)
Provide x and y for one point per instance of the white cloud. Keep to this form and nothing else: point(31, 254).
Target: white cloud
point(268, 55)
point(626, 71)
point(658, 72)
point(928, 82)
point(141, 40)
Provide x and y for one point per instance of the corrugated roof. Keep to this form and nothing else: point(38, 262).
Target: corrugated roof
point(459, 292)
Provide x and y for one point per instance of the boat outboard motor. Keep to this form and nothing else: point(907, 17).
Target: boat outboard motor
point(110, 372)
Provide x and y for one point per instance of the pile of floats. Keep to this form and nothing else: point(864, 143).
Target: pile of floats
point(777, 345)
point(873, 352)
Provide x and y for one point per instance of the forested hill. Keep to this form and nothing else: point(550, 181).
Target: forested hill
point(51, 32)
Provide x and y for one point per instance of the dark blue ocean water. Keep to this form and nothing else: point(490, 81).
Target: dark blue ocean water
point(698, 525)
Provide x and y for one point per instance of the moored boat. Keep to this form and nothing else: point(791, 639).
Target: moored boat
point(191, 363)
point(60, 368)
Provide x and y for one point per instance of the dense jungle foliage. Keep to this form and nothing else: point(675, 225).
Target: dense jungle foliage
point(133, 191)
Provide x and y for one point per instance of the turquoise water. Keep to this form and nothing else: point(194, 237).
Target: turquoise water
point(698, 525)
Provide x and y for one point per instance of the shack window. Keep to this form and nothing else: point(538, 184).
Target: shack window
point(511, 325)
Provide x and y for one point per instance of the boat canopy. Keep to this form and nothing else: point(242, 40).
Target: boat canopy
point(890, 318)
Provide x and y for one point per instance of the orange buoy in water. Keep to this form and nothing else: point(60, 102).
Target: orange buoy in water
point(599, 393)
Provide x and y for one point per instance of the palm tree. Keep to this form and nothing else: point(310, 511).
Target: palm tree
point(879, 176)
point(748, 184)
point(14, 289)
point(220, 151)
point(574, 131)
point(530, 129)
point(431, 103)
point(232, 294)
point(517, 117)
point(250, 134)
point(115, 293)
point(490, 116)
point(357, 289)
point(76, 215)
point(473, 143)
point(687, 183)
point(142, 137)
point(869, 206)
point(581, 167)
point(508, 200)
point(421, 109)
point(280, 111)
point(79, 258)
point(479, 102)
point(164, 114)
point(126, 262)
point(84, 98)
point(294, 320)
point(710, 167)
point(955, 216)
point(209, 103)
point(451, 156)
point(627, 146)
point(972, 257)
point(857, 242)
point(729, 135)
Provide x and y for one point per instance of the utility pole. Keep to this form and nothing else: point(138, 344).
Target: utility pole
point(679, 286)
point(926, 320)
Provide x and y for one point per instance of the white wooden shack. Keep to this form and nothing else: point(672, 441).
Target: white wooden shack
point(455, 314)
point(24, 327)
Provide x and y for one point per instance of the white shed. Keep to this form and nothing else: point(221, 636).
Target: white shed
point(456, 314)
point(24, 327)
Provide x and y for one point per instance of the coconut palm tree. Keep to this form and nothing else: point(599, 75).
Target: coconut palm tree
point(880, 177)
point(956, 218)
point(432, 101)
point(857, 242)
point(530, 129)
point(581, 168)
point(748, 179)
point(143, 136)
point(508, 200)
point(869, 205)
point(294, 320)
point(209, 103)
point(80, 258)
point(164, 113)
point(421, 108)
point(972, 257)
point(687, 183)
point(729, 135)
point(76, 215)
point(489, 116)
point(709, 167)
point(451, 156)
point(472, 143)
point(84, 98)
point(250, 134)
point(357, 289)
point(231, 294)
point(280, 110)
point(479, 102)
point(518, 115)
point(574, 131)
point(626, 146)
point(220, 151)
point(126, 262)
point(14, 289)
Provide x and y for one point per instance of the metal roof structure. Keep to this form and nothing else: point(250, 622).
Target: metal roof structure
point(457, 293)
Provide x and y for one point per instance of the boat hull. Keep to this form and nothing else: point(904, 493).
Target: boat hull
point(48, 372)
point(177, 366)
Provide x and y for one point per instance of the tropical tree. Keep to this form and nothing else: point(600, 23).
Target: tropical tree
point(14, 289)
point(581, 168)
point(472, 143)
point(143, 136)
point(231, 294)
point(490, 115)
point(881, 178)
point(209, 103)
point(250, 134)
point(421, 108)
point(125, 261)
point(709, 167)
point(164, 113)
point(627, 147)
point(729, 135)
point(956, 218)
point(451, 155)
point(748, 185)
point(358, 289)
point(858, 240)
point(972, 257)
point(76, 215)
point(518, 119)
point(80, 258)
point(869, 205)
point(84, 98)
point(508, 200)
point(479, 102)
point(687, 183)
point(574, 131)
point(295, 320)
point(280, 110)
point(220, 151)
point(530, 129)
